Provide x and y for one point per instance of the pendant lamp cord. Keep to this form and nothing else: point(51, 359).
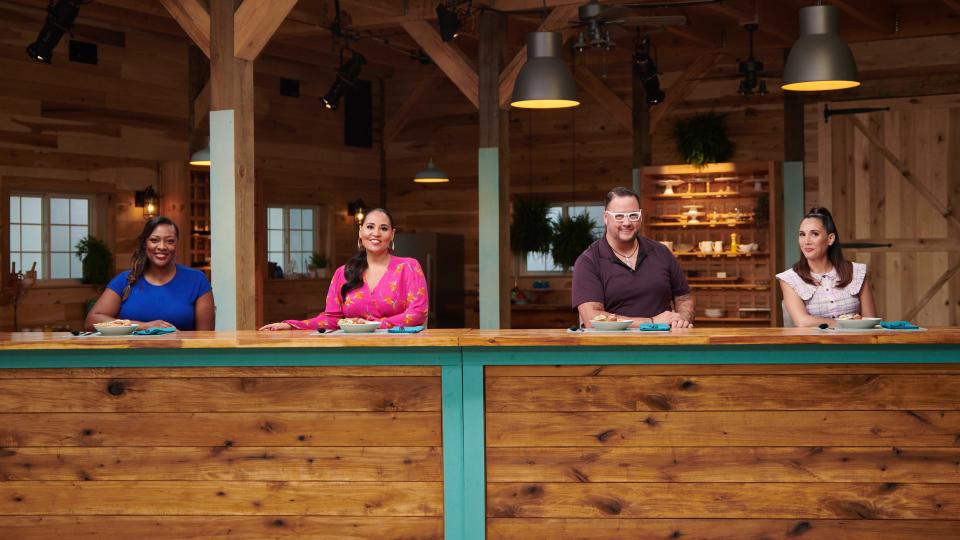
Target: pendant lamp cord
point(573, 154)
point(530, 146)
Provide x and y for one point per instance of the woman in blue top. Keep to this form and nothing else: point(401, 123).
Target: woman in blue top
point(157, 292)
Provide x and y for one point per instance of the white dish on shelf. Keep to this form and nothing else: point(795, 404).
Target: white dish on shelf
point(713, 313)
point(668, 185)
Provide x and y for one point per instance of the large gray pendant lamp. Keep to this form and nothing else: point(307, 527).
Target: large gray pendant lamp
point(201, 157)
point(431, 175)
point(544, 81)
point(820, 60)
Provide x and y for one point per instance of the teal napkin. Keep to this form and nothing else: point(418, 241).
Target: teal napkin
point(405, 329)
point(898, 325)
point(657, 327)
point(155, 331)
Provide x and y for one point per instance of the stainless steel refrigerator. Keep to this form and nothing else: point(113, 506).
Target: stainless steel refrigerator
point(441, 256)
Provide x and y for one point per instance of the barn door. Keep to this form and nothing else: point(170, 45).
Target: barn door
point(892, 179)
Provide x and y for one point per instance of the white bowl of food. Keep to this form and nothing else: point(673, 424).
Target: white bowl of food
point(861, 324)
point(713, 313)
point(357, 325)
point(609, 323)
point(117, 327)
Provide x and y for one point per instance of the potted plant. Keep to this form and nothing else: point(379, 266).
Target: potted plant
point(531, 228)
point(97, 261)
point(318, 265)
point(572, 235)
point(702, 139)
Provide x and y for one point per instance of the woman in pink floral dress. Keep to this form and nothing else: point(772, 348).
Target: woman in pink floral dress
point(374, 284)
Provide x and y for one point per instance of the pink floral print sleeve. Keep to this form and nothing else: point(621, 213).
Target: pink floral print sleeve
point(398, 299)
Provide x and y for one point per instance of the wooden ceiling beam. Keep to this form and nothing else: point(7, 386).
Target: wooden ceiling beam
point(194, 18)
point(201, 105)
point(694, 35)
point(678, 92)
point(255, 22)
point(556, 20)
point(954, 5)
point(398, 120)
point(769, 20)
point(877, 14)
point(448, 58)
point(611, 102)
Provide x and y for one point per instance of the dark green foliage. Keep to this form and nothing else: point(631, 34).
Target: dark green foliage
point(531, 228)
point(571, 237)
point(702, 139)
point(97, 261)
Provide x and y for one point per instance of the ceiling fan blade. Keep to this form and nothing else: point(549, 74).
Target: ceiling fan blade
point(614, 12)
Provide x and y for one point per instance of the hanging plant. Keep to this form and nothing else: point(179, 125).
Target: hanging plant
point(702, 139)
point(96, 259)
point(531, 228)
point(572, 235)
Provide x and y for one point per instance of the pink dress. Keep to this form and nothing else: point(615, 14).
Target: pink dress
point(398, 299)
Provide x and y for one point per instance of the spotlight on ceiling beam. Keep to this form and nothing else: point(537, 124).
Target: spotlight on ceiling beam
point(646, 70)
point(346, 76)
point(60, 18)
point(449, 21)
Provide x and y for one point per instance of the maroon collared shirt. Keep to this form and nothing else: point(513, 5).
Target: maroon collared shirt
point(646, 291)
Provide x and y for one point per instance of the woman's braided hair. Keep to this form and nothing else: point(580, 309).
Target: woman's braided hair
point(139, 261)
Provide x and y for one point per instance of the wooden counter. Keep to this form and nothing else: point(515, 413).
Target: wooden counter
point(470, 434)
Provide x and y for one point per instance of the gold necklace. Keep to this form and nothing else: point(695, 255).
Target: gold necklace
point(630, 256)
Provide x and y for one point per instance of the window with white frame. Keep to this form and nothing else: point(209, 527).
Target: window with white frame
point(292, 236)
point(542, 263)
point(44, 231)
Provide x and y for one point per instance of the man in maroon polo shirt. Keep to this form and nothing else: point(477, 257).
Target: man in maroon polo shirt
point(628, 275)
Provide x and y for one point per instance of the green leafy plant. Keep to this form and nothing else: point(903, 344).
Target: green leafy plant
point(531, 228)
point(702, 139)
point(572, 235)
point(96, 259)
point(318, 260)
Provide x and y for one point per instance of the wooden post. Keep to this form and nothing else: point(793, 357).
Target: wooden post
point(494, 179)
point(174, 190)
point(232, 194)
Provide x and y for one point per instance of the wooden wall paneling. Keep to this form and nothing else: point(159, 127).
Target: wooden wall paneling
point(953, 200)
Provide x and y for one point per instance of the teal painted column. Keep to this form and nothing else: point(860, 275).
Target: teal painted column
point(793, 211)
point(489, 209)
point(452, 407)
point(223, 213)
point(474, 456)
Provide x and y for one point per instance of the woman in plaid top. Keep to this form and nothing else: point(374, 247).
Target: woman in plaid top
point(822, 285)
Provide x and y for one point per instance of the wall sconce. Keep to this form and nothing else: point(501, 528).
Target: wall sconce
point(148, 200)
point(357, 209)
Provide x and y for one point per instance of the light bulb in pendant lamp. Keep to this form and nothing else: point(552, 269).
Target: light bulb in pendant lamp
point(820, 60)
point(431, 175)
point(201, 157)
point(544, 81)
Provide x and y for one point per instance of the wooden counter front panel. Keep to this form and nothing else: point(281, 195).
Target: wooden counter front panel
point(218, 452)
point(854, 452)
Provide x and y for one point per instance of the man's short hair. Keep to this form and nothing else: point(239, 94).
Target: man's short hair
point(620, 192)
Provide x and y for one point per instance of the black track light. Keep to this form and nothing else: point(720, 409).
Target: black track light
point(646, 70)
point(346, 76)
point(449, 21)
point(60, 18)
point(751, 68)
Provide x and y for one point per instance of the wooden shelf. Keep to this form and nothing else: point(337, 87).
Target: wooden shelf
point(724, 254)
point(714, 195)
point(701, 225)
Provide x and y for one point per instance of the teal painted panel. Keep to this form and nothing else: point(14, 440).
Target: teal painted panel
point(474, 457)
point(453, 448)
point(488, 170)
point(798, 354)
point(793, 211)
point(425, 356)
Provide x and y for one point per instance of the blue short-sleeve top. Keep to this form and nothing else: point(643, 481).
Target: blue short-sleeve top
point(172, 302)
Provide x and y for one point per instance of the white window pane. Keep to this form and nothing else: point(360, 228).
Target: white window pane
point(274, 218)
point(306, 241)
point(535, 262)
point(79, 211)
point(30, 238)
point(275, 241)
point(60, 211)
point(30, 210)
point(294, 218)
point(295, 240)
point(59, 238)
point(76, 267)
point(275, 257)
point(14, 238)
point(76, 234)
point(14, 209)
point(59, 266)
point(306, 218)
point(28, 259)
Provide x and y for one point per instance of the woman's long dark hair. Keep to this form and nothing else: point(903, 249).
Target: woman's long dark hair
point(834, 252)
point(353, 270)
point(139, 261)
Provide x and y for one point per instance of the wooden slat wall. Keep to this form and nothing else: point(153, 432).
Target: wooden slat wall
point(871, 200)
point(866, 452)
point(222, 453)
